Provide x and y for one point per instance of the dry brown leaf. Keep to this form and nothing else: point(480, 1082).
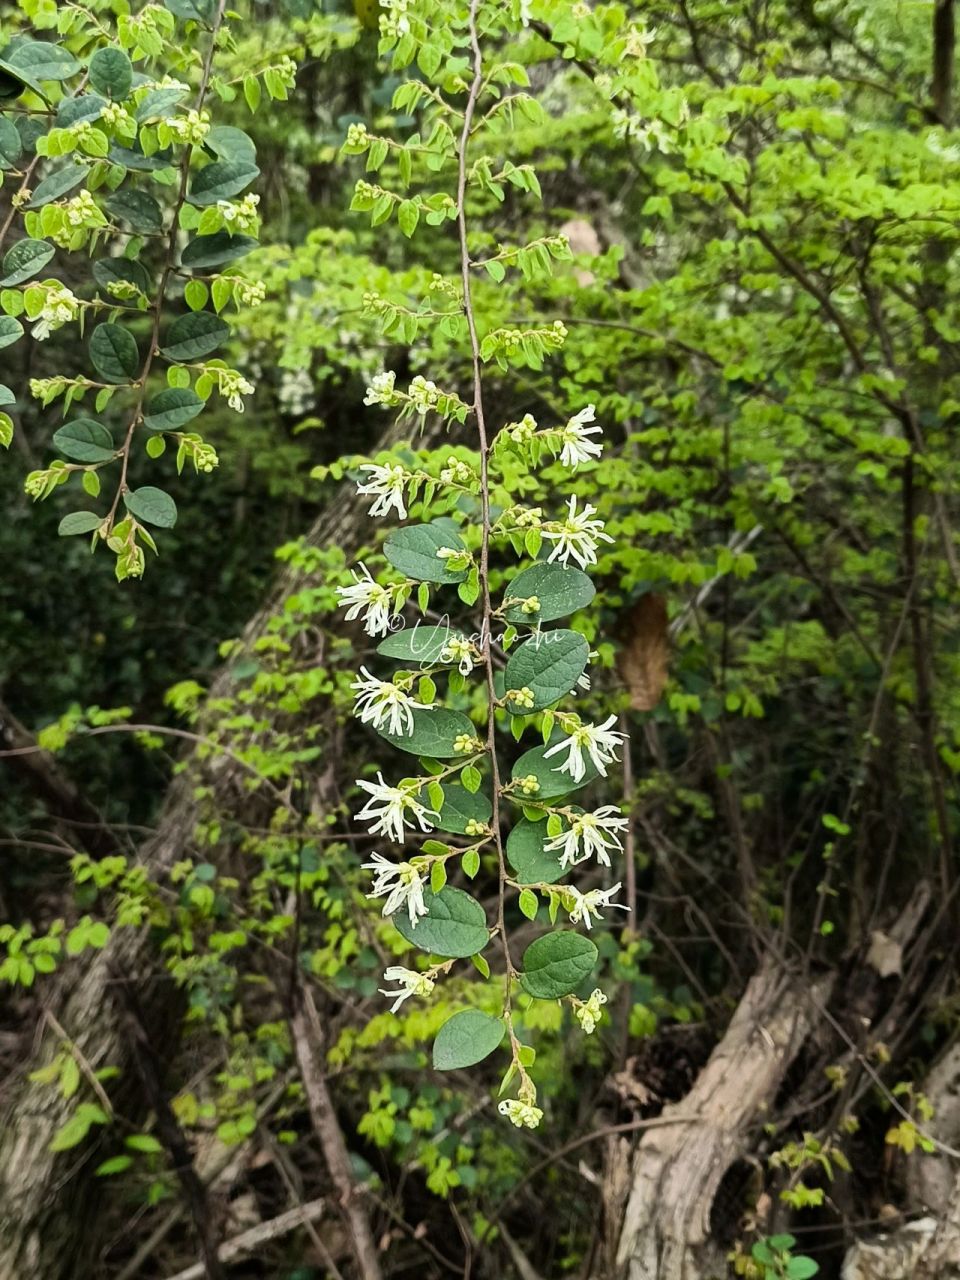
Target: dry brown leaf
point(644, 656)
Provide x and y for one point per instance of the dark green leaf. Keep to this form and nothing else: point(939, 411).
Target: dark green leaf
point(137, 208)
point(526, 854)
point(111, 72)
point(57, 184)
point(6, 396)
point(84, 440)
point(549, 664)
point(10, 330)
point(553, 783)
point(413, 551)
point(560, 592)
point(109, 270)
point(418, 643)
point(133, 158)
point(79, 522)
point(557, 964)
point(172, 409)
point(85, 106)
point(24, 260)
point(40, 60)
point(216, 250)
point(461, 806)
point(466, 1039)
point(222, 180)
point(229, 143)
point(195, 335)
point(152, 506)
point(159, 103)
point(195, 10)
point(434, 733)
point(114, 354)
point(455, 926)
point(10, 144)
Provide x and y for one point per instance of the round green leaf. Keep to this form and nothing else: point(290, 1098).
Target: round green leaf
point(137, 209)
point(57, 184)
point(222, 180)
point(528, 857)
point(10, 330)
point(79, 522)
point(461, 806)
point(216, 250)
point(557, 964)
point(549, 664)
point(84, 440)
point(108, 271)
point(466, 1039)
point(434, 733)
point(560, 592)
point(229, 143)
point(10, 144)
point(418, 644)
point(172, 408)
point(24, 260)
point(157, 104)
point(455, 925)
point(152, 506)
point(85, 106)
point(111, 72)
point(413, 551)
point(193, 336)
point(36, 60)
point(553, 783)
point(114, 354)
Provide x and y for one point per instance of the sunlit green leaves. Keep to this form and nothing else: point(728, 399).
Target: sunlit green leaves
point(465, 1039)
point(455, 925)
point(114, 354)
point(557, 964)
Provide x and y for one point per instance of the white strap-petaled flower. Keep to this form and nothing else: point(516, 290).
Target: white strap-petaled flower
point(586, 905)
point(381, 390)
point(461, 652)
point(599, 742)
point(590, 835)
point(380, 702)
point(588, 1015)
point(400, 883)
point(60, 306)
point(386, 484)
point(389, 807)
point(411, 984)
point(577, 536)
point(521, 1113)
point(365, 595)
point(577, 447)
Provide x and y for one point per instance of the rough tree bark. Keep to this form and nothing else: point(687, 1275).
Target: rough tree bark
point(677, 1170)
point(47, 1204)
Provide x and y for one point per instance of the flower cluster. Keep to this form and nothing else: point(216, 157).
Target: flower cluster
point(381, 702)
point(411, 984)
point(379, 604)
point(386, 485)
point(577, 536)
point(590, 835)
point(588, 1013)
point(240, 215)
point(59, 307)
point(390, 808)
point(190, 129)
point(234, 386)
point(401, 883)
point(250, 293)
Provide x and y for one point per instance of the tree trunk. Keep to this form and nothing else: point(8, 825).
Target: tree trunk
point(47, 1205)
point(677, 1169)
